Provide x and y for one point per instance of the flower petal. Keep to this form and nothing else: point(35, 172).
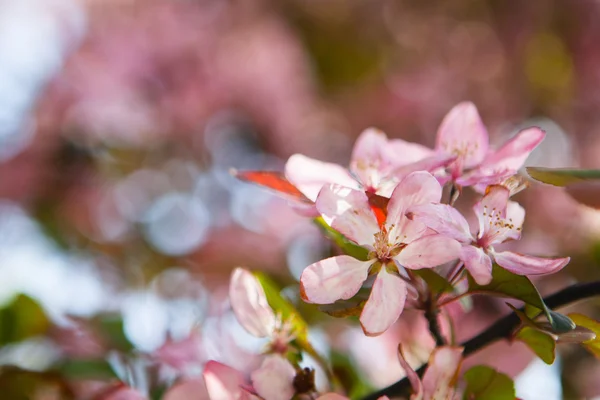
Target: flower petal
point(385, 303)
point(416, 188)
point(478, 263)
point(274, 379)
point(249, 303)
point(333, 279)
point(428, 252)
point(370, 163)
point(415, 382)
point(514, 152)
point(444, 219)
point(440, 378)
point(310, 175)
point(462, 132)
point(222, 381)
point(521, 264)
point(491, 213)
point(348, 211)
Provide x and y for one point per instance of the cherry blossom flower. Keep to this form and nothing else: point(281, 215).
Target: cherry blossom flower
point(396, 244)
point(440, 378)
point(463, 134)
point(377, 165)
point(250, 306)
point(500, 220)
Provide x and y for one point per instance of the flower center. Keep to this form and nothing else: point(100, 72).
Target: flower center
point(497, 227)
point(384, 248)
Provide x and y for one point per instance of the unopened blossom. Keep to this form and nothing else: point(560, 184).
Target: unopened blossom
point(500, 220)
point(250, 306)
point(463, 134)
point(440, 378)
point(377, 165)
point(396, 244)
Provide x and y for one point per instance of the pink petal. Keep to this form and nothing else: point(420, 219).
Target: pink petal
point(462, 132)
point(415, 382)
point(478, 263)
point(491, 213)
point(191, 388)
point(223, 382)
point(521, 264)
point(440, 377)
point(309, 175)
point(126, 394)
point(430, 164)
point(428, 252)
point(385, 303)
point(443, 219)
point(369, 160)
point(348, 211)
point(513, 153)
point(332, 396)
point(333, 279)
point(274, 379)
point(482, 177)
point(515, 215)
point(249, 303)
point(405, 153)
point(417, 188)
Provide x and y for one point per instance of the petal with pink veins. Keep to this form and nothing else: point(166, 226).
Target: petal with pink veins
point(462, 133)
point(514, 152)
point(491, 212)
point(310, 175)
point(521, 264)
point(333, 279)
point(249, 303)
point(274, 379)
point(482, 177)
point(478, 263)
point(223, 382)
point(444, 219)
point(348, 211)
point(428, 252)
point(439, 380)
point(385, 303)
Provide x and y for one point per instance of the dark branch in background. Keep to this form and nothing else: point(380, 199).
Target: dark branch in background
point(431, 314)
point(501, 329)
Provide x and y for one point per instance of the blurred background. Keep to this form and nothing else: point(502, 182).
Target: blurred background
point(119, 122)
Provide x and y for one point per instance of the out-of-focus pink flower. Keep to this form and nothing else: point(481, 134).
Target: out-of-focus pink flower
point(463, 134)
point(397, 244)
point(126, 393)
point(499, 220)
point(440, 377)
point(377, 165)
point(272, 381)
point(250, 306)
point(183, 353)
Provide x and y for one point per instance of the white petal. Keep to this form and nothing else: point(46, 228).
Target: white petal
point(249, 303)
point(348, 211)
point(333, 279)
point(385, 304)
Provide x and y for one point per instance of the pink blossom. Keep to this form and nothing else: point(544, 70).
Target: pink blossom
point(397, 244)
point(440, 378)
point(500, 220)
point(272, 381)
point(463, 135)
point(377, 165)
point(250, 306)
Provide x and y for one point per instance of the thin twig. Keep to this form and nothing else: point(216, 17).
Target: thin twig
point(501, 329)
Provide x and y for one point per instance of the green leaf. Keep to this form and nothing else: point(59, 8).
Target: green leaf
point(348, 247)
point(484, 382)
point(110, 327)
point(593, 346)
point(343, 308)
point(352, 380)
point(507, 284)
point(96, 369)
point(435, 282)
point(22, 318)
point(540, 342)
point(562, 176)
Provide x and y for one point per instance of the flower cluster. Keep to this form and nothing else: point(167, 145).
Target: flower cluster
point(391, 203)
